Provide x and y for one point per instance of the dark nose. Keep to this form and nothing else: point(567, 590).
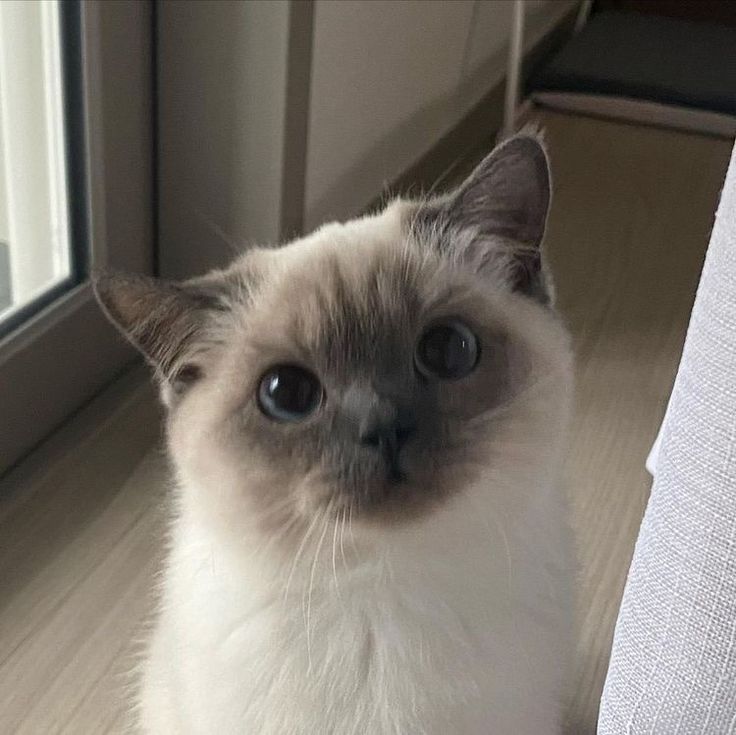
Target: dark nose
point(387, 428)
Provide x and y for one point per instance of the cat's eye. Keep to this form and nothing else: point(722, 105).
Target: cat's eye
point(289, 393)
point(447, 350)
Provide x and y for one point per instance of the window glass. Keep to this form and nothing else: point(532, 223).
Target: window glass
point(35, 251)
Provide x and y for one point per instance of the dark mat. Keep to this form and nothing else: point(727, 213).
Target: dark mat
point(649, 57)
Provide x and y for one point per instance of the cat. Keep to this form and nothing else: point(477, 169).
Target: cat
point(366, 426)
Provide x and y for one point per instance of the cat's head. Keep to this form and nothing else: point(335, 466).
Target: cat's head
point(377, 367)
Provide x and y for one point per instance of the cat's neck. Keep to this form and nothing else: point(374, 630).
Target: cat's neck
point(333, 557)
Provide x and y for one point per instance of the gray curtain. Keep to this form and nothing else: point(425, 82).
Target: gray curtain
point(673, 664)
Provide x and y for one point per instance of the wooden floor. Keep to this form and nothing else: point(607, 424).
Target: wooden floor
point(80, 523)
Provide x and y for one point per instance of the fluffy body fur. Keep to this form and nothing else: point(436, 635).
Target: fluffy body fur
point(303, 592)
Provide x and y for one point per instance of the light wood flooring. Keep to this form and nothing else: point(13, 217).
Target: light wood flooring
point(81, 520)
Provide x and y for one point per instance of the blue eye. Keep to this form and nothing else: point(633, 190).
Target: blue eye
point(289, 393)
point(448, 350)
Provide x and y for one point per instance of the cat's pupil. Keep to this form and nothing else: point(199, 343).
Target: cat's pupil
point(448, 351)
point(289, 393)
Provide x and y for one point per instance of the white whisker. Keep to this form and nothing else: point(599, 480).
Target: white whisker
point(350, 529)
point(311, 585)
point(278, 536)
point(236, 248)
point(334, 561)
point(298, 554)
point(343, 516)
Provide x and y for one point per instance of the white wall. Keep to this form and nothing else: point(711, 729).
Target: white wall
point(389, 78)
point(222, 67)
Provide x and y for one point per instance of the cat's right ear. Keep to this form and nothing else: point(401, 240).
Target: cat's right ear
point(162, 319)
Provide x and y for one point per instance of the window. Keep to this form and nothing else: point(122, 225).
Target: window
point(76, 193)
point(35, 237)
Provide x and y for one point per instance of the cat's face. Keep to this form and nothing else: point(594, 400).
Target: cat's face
point(372, 368)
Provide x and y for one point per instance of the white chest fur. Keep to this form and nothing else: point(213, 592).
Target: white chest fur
point(459, 624)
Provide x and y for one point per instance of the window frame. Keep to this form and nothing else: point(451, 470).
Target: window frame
point(61, 351)
point(76, 178)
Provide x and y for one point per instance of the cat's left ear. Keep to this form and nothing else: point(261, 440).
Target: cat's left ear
point(495, 221)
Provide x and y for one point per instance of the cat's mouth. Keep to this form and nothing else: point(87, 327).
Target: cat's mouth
point(390, 449)
point(388, 479)
point(387, 484)
point(395, 475)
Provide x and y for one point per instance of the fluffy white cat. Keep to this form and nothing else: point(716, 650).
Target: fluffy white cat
point(366, 425)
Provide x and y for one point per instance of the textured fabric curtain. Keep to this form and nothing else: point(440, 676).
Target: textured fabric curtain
point(673, 664)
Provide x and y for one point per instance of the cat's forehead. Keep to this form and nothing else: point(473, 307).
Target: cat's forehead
point(358, 295)
point(339, 304)
point(349, 292)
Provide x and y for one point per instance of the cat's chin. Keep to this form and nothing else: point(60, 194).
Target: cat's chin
point(399, 497)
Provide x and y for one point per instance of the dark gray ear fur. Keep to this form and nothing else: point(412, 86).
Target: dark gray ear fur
point(495, 220)
point(163, 319)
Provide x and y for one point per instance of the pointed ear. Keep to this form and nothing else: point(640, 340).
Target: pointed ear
point(508, 194)
point(495, 220)
point(162, 319)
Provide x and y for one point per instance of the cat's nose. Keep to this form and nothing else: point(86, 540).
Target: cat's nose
point(387, 428)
